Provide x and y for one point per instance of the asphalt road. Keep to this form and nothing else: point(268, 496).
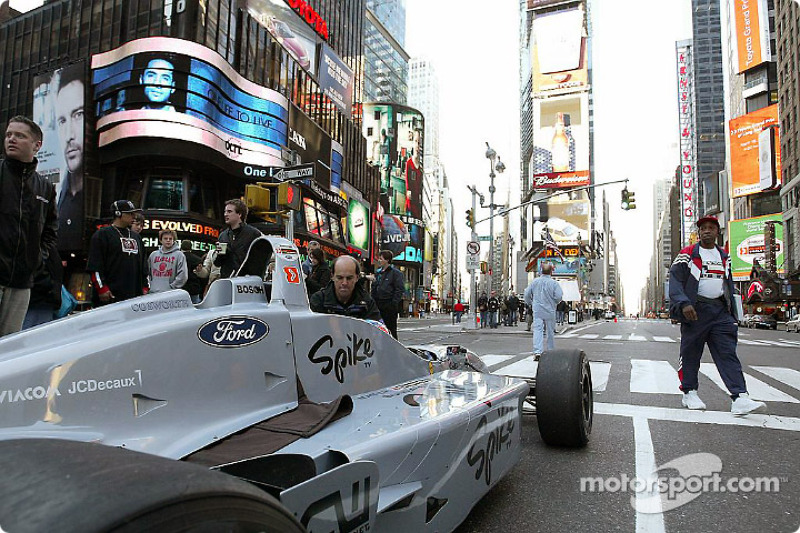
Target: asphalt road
point(725, 473)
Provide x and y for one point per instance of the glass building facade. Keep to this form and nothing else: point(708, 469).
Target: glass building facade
point(385, 60)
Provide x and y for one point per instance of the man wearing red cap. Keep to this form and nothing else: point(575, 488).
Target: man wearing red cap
point(701, 299)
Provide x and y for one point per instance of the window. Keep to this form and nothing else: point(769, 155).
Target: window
point(164, 193)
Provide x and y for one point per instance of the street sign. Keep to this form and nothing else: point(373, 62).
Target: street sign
point(486, 238)
point(473, 247)
point(473, 262)
point(304, 172)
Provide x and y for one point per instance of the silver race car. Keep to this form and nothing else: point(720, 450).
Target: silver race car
point(248, 412)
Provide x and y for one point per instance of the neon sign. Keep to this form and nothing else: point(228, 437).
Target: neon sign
point(310, 16)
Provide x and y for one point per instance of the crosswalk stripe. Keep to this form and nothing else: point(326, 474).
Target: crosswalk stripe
point(525, 368)
point(751, 343)
point(797, 343)
point(635, 337)
point(600, 372)
point(613, 337)
point(775, 343)
point(590, 336)
point(788, 376)
point(654, 377)
point(758, 389)
point(663, 339)
point(492, 359)
point(566, 335)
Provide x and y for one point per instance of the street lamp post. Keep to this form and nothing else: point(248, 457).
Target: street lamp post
point(491, 155)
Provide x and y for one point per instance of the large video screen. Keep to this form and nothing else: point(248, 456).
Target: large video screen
point(561, 142)
point(168, 88)
point(395, 144)
point(747, 245)
point(58, 108)
point(744, 134)
point(566, 222)
point(404, 237)
point(559, 54)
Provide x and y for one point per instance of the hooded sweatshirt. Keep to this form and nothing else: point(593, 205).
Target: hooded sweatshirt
point(167, 269)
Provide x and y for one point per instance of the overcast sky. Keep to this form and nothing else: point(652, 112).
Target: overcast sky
point(476, 53)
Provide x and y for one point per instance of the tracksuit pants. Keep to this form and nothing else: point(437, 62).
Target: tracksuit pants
point(716, 327)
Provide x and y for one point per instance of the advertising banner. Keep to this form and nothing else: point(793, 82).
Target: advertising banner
point(358, 224)
point(566, 221)
point(395, 140)
point(561, 141)
point(58, 108)
point(688, 178)
point(311, 143)
point(167, 88)
point(747, 245)
point(744, 133)
point(404, 237)
point(752, 33)
point(289, 29)
point(559, 52)
point(336, 80)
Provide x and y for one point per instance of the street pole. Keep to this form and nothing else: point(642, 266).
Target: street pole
point(473, 284)
point(491, 227)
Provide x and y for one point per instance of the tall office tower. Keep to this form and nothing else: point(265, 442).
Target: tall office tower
point(423, 95)
point(709, 102)
point(660, 199)
point(787, 23)
point(385, 59)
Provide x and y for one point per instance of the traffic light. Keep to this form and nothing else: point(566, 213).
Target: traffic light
point(470, 219)
point(484, 267)
point(628, 201)
point(289, 195)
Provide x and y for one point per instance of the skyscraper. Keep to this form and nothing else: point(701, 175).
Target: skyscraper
point(385, 58)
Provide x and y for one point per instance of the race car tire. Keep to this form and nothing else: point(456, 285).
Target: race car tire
point(66, 486)
point(564, 400)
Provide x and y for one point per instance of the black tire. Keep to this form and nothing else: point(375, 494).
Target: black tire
point(56, 485)
point(564, 398)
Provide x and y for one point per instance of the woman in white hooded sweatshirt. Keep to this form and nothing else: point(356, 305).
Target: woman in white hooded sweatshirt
point(167, 264)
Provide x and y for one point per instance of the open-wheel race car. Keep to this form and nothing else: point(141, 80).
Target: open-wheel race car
point(248, 412)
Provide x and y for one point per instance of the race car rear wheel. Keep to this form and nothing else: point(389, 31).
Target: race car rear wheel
point(57, 485)
point(564, 400)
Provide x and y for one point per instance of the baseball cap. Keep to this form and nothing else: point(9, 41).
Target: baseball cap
point(124, 206)
point(708, 218)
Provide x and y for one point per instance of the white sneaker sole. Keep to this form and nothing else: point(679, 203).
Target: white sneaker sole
point(750, 411)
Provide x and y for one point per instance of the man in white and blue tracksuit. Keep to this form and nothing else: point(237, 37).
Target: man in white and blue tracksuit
point(701, 299)
point(543, 295)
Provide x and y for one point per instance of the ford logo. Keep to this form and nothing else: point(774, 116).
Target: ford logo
point(233, 331)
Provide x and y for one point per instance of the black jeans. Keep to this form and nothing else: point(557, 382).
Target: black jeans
point(389, 315)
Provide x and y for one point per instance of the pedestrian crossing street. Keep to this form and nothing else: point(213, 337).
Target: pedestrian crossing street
point(661, 377)
point(782, 343)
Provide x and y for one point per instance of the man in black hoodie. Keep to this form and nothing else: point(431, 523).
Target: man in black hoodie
point(28, 220)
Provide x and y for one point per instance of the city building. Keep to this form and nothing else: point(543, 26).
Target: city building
point(787, 22)
point(179, 107)
point(385, 61)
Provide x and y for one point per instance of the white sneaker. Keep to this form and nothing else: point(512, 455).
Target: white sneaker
point(743, 405)
point(692, 401)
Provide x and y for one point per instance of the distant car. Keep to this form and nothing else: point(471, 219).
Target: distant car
point(609, 315)
point(663, 314)
point(745, 320)
point(763, 321)
point(793, 324)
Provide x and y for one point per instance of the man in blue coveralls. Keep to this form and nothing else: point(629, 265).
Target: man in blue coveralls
point(701, 295)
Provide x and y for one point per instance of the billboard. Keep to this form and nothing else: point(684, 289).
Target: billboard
point(559, 52)
point(747, 245)
point(751, 33)
point(567, 220)
point(561, 141)
point(289, 29)
point(395, 140)
point(160, 87)
point(312, 144)
point(58, 108)
point(404, 237)
point(688, 177)
point(336, 80)
point(358, 219)
point(744, 134)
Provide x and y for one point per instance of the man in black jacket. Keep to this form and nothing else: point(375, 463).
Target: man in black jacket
point(194, 284)
point(345, 294)
point(28, 220)
point(235, 241)
point(387, 290)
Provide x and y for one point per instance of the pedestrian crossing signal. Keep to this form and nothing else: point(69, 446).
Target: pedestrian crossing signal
point(289, 195)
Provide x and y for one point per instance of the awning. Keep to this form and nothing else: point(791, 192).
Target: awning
point(572, 292)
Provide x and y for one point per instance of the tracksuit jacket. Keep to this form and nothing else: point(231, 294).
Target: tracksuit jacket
point(684, 280)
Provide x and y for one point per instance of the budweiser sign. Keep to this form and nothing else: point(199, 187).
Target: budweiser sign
point(553, 180)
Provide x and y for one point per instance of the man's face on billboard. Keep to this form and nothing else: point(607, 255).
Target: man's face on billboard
point(69, 117)
point(158, 79)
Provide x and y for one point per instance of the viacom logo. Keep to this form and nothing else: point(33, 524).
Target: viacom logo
point(233, 331)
